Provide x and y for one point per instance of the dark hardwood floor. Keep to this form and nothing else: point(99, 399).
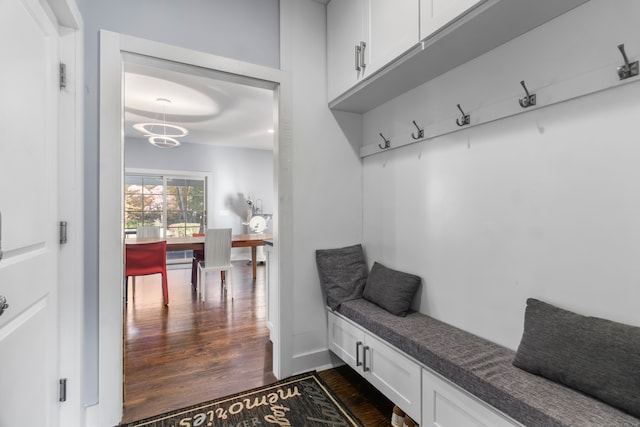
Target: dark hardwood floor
point(371, 407)
point(190, 351)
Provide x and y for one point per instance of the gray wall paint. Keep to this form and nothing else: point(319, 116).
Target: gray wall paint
point(246, 30)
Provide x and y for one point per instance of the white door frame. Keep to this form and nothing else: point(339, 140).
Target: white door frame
point(113, 47)
point(71, 210)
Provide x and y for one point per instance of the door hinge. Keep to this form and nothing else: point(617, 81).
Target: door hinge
point(63, 232)
point(63, 75)
point(63, 389)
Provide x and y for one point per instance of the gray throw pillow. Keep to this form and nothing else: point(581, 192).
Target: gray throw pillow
point(391, 289)
point(343, 273)
point(596, 356)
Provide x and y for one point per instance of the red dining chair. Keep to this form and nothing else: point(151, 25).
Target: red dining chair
point(143, 259)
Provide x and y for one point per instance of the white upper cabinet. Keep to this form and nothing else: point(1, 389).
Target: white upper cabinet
point(436, 14)
point(409, 42)
point(365, 35)
point(393, 29)
point(346, 39)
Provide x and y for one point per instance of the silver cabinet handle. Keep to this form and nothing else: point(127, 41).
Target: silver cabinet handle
point(3, 304)
point(358, 362)
point(357, 57)
point(363, 46)
point(364, 358)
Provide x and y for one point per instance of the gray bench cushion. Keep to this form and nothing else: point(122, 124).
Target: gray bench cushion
point(391, 289)
point(596, 356)
point(343, 273)
point(485, 369)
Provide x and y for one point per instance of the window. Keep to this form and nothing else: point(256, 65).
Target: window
point(176, 204)
point(185, 211)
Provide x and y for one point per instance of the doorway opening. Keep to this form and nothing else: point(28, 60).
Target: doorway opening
point(118, 51)
point(224, 130)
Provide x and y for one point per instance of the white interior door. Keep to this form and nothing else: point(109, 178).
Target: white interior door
point(28, 198)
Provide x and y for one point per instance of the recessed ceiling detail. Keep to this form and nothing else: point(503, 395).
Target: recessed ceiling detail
point(185, 100)
point(204, 109)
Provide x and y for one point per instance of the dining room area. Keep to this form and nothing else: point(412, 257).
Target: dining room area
point(198, 161)
point(181, 344)
point(202, 344)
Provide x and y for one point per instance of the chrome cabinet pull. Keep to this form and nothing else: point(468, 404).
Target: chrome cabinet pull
point(365, 368)
point(358, 362)
point(363, 46)
point(357, 57)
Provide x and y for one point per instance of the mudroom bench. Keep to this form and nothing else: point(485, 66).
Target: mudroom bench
point(441, 375)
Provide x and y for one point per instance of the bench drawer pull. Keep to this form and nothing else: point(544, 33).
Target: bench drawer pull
point(358, 362)
point(364, 358)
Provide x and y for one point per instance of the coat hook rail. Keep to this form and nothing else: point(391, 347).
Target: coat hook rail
point(552, 91)
point(628, 69)
point(420, 133)
point(529, 99)
point(465, 119)
point(387, 142)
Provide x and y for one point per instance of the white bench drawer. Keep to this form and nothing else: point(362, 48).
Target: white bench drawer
point(444, 404)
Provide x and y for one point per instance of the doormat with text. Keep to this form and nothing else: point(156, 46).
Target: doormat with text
point(299, 401)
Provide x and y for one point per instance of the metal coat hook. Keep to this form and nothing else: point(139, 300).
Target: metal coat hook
point(420, 132)
point(465, 119)
point(628, 69)
point(529, 99)
point(387, 142)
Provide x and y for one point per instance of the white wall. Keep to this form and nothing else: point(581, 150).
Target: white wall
point(247, 30)
point(327, 186)
point(545, 204)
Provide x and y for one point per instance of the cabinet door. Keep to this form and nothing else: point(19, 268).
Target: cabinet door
point(446, 405)
point(394, 374)
point(345, 30)
point(393, 29)
point(436, 14)
point(346, 341)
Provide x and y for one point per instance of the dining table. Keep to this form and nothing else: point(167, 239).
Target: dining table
point(185, 243)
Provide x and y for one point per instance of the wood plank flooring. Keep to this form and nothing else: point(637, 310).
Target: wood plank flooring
point(191, 351)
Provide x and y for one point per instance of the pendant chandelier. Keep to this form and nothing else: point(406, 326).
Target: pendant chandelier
point(163, 134)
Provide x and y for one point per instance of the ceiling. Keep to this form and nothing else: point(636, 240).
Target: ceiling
point(215, 108)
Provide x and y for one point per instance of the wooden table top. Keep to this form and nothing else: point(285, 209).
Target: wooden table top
point(189, 242)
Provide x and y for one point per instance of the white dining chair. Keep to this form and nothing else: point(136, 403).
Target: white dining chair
point(148, 231)
point(217, 257)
